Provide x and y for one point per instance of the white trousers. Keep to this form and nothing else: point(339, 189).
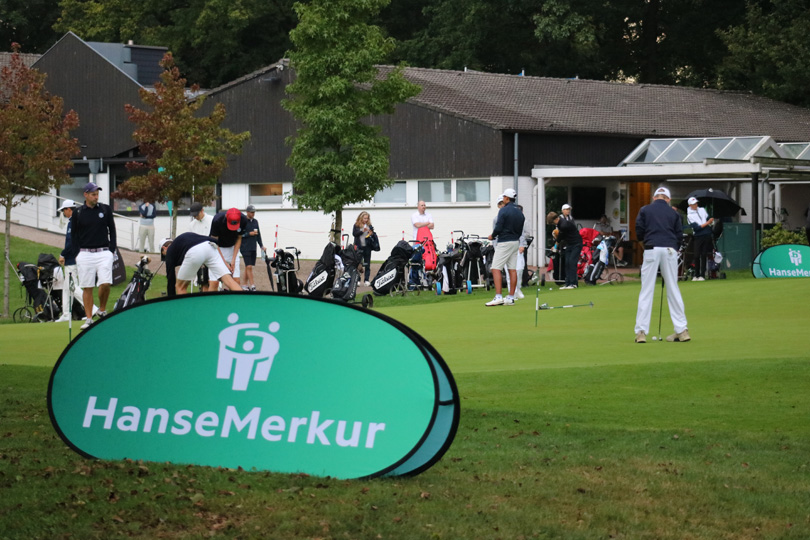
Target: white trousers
point(667, 260)
point(146, 233)
point(521, 264)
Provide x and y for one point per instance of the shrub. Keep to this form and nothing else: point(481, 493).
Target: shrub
point(778, 236)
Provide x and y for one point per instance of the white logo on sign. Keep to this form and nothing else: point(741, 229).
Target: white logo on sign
point(795, 256)
point(243, 346)
point(317, 281)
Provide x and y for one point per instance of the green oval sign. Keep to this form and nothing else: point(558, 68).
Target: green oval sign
point(261, 381)
point(782, 261)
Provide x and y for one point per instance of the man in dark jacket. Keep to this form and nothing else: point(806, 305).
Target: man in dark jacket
point(508, 229)
point(227, 228)
point(93, 243)
point(659, 228)
point(569, 238)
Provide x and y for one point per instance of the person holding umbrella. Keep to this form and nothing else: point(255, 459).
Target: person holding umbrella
point(701, 223)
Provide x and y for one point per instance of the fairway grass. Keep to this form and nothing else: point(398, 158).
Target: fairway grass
point(568, 430)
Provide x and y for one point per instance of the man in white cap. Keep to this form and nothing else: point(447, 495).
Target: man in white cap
point(508, 229)
point(659, 228)
point(566, 213)
point(701, 224)
point(70, 281)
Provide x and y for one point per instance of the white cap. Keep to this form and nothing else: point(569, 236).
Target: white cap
point(499, 200)
point(511, 193)
point(692, 200)
point(565, 206)
point(163, 242)
point(662, 191)
point(67, 203)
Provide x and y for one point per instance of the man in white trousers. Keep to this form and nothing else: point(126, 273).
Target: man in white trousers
point(659, 228)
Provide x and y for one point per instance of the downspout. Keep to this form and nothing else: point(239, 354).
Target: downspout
point(516, 162)
point(754, 214)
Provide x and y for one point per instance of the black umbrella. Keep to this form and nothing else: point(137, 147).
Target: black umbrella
point(716, 202)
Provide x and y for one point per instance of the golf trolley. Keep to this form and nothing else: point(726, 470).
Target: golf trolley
point(38, 281)
point(282, 268)
point(135, 292)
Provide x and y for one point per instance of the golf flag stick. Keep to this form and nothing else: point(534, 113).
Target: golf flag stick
point(546, 306)
point(536, 307)
point(70, 306)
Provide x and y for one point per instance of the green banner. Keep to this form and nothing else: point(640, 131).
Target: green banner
point(261, 381)
point(782, 261)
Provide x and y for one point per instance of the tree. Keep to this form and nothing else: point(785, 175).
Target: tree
point(35, 143)
point(29, 23)
point(185, 153)
point(339, 157)
point(214, 41)
point(769, 53)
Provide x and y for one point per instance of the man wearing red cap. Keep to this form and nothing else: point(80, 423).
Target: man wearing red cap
point(227, 228)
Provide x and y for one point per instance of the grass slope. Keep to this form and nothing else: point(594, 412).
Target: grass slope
point(568, 430)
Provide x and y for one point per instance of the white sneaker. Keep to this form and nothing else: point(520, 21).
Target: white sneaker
point(519, 295)
point(366, 284)
point(509, 301)
point(101, 314)
point(63, 318)
point(497, 301)
point(695, 279)
point(700, 279)
point(87, 324)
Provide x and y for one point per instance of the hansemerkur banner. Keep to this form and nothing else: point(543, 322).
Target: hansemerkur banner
point(258, 381)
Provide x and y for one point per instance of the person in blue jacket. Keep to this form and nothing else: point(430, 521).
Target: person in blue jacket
point(508, 229)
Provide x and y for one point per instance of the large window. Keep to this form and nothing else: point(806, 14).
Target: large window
point(74, 190)
point(434, 191)
point(472, 190)
point(266, 194)
point(392, 194)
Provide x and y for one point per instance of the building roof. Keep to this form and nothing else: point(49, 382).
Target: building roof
point(541, 104)
point(27, 58)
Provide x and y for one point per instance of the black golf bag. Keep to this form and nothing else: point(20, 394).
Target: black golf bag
point(284, 265)
point(450, 278)
point(345, 287)
point(473, 267)
point(38, 283)
point(322, 277)
point(392, 272)
point(135, 292)
point(603, 247)
point(488, 254)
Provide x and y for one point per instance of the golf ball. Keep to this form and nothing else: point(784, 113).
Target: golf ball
point(549, 288)
point(655, 338)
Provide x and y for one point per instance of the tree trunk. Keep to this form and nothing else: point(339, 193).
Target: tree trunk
point(338, 232)
point(6, 251)
point(173, 228)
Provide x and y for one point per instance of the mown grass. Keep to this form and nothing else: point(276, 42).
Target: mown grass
point(568, 430)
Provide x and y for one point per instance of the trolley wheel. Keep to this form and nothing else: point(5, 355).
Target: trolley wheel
point(367, 301)
point(616, 277)
point(24, 314)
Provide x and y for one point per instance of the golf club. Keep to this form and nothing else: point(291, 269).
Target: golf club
point(546, 306)
point(660, 310)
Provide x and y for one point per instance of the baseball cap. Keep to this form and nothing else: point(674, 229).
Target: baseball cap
point(67, 203)
point(565, 206)
point(662, 191)
point(692, 200)
point(165, 241)
point(250, 208)
point(511, 193)
point(90, 187)
point(233, 219)
point(195, 208)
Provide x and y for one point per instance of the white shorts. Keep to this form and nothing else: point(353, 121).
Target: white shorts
point(202, 254)
point(227, 252)
point(505, 255)
point(94, 265)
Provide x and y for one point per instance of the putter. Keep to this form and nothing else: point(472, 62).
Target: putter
point(660, 310)
point(546, 306)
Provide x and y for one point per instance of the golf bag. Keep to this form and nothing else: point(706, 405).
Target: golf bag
point(392, 272)
point(285, 279)
point(322, 277)
point(603, 247)
point(474, 268)
point(345, 287)
point(38, 283)
point(135, 292)
point(450, 275)
point(488, 254)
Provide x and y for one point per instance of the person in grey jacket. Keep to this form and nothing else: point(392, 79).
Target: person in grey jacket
point(508, 229)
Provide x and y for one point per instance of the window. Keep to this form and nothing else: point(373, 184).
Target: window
point(392, 194)
point(434, 190)
point(472, 190)
point(266, 194)
point(74, 190)
point(588, 202)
